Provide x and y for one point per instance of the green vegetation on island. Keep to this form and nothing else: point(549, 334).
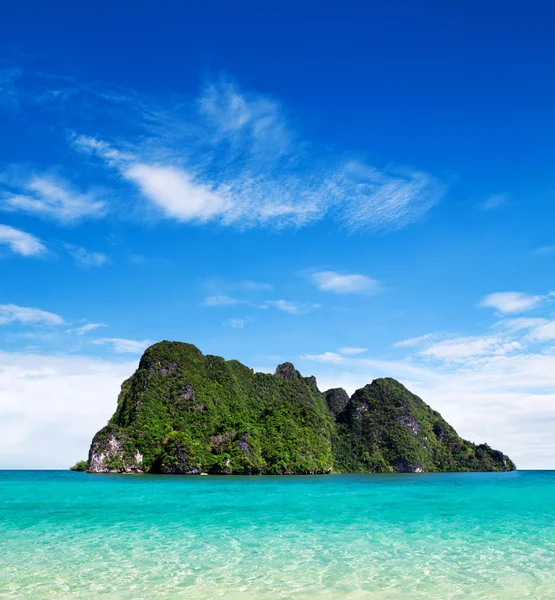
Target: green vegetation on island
point(79, 466)
point(183, 412)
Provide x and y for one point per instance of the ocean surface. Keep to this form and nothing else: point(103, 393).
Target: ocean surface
point(442, 536)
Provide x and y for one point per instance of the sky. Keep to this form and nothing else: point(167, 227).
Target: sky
point(364, 189)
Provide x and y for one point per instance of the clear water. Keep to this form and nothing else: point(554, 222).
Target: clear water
point(73, 535)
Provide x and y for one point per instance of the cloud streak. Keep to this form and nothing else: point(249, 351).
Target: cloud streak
point(21, 242)
point(513, 302)
point(337, 283)
point(11, 313)
point(124, 346)
point(47, 196)
point(230, 157)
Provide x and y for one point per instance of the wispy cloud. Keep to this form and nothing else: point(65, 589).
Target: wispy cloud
point(82, 329)
point(86, 258)
point(415, 341)
point(20, 242)
point(124, 346)
point(231, 157)
point(11, 313)
point(494, 201)
point(237, 323)
point(221, 300)
point(337, 283)
point(350, 351)
point(513, 302)
point(47, 196)
point(325, 357)
point(293, 308)
point(465, 348)
point(544, 332)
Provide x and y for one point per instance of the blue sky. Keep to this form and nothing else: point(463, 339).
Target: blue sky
point(362, 189)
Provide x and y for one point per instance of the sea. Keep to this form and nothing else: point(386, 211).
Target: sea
point(404, 536)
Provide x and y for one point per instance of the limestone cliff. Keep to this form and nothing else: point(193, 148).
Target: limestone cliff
point(186, 413)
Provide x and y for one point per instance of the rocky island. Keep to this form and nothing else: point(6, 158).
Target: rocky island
point(183, 412)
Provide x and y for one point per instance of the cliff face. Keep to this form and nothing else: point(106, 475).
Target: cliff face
point(185, 413)
point(385, 428)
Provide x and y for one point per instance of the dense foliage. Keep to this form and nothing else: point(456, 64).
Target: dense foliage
point(79, 466)
point(184, 412)
point(385, 428)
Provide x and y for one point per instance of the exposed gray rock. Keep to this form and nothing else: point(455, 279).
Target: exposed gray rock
point(336, 399)
point(107, 456)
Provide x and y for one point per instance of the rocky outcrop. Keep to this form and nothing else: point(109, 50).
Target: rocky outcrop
point(336, 399)
point(107, 454)
point(186, 413)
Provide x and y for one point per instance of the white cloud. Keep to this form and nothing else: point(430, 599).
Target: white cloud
point(87, 258)
point(236, 323)
point(20, 242)
point(415, 341)
point(494, 201)
point(350, 351)
point(231, 158)
point(464, 348)
point(325, 357)
point(544, 332)
point(124, 346)
point(11, 313)
point(55, 403)
point(293, 308)
point(513, 302)
point(220, 300)
point(48, 196)
point(376, 200)
point(176, 193)
point(248, 120)
point(86, 328)
point(337, 283)
point(519, 323)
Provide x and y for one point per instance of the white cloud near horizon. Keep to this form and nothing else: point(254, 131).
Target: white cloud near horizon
point(337, 283)
point(11, 313)
point(21, 242)
point(47, 196)
point(505, 401)
point(495, 387)
point(51, 406)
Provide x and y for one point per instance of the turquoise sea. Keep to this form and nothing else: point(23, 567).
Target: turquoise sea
point(442, 536)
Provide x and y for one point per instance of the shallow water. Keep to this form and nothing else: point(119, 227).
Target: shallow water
point(443, 536)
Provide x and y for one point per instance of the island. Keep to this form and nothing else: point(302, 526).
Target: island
point(183, 412)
